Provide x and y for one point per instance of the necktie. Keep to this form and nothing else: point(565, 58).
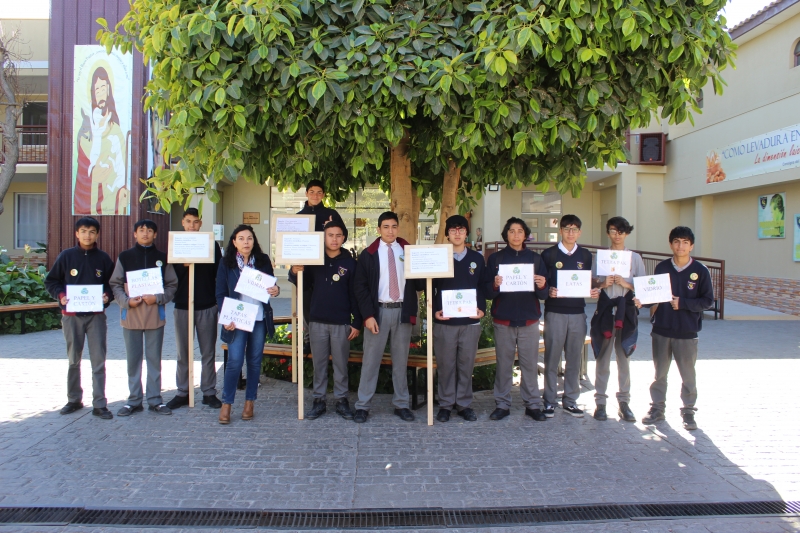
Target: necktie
point(394, 286)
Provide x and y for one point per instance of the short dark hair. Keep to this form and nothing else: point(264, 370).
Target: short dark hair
point(510, 222)
point(147, 223)
point(316, 183)
point(620, 223)
point(388, 215)
point(191, 211)
point(87, 222)
point(337, 224)
point(568, 220)
point(681, 232)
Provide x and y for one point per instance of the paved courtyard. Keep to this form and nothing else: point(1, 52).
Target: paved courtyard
point(746, 449)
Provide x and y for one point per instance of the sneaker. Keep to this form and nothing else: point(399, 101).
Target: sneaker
point(71, 407)
point(653, 416)
point(318, 408)
point(549, 410)
point(600, 413)
point(128, 410)
point(688, 421)
point(468, 414)
point(625, 412)
point(573, 410)
point(443, 415)
point(177, 402)
point(211, 401)
point(343, 409)
point(536, 414)
point(102, 412)
point(160, 409)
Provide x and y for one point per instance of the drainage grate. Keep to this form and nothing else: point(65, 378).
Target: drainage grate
point(377, 519)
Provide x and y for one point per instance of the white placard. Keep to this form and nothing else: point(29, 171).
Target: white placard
point(429, 260)
point(292, 224)
point(614, 263)
point(219, 232)
point(145, 281)
point(457, 304)
point(516, 277)
point(84, 298)
point(242, 314)
point(254, 284)
point(653, 289)
point(190, 245)
point(299, 247)
point(574, 283)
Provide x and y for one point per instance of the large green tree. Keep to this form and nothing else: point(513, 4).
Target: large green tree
point(427, 98)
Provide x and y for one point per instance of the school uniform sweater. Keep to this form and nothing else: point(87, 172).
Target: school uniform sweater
point(205, 280)
point(76, 266)
point(515, 309)
point(693, 287)
point(581, 259)
point(323, 215)
point(469, 273)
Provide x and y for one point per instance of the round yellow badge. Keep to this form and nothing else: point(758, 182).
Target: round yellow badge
point(559, 264)
point(693, 276)
point(73, 272)
point(336, 277)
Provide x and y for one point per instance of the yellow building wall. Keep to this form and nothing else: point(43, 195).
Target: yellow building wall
point(9, 216)
point(655, 218)
point(246, 197)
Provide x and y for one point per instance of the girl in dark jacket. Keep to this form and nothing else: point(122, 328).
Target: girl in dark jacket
point(243, 250)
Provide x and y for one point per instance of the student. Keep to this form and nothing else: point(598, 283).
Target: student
point(676, 325)
point(455, 340)
point(85, 264)
point(516, 322)
point(389, 305)
point(617, 300)
point(334, 319)
point(243, 250)
point(143, 317)
point(564, 320)
point(205, 322)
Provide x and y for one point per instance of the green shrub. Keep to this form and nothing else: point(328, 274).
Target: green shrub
point(25, 285)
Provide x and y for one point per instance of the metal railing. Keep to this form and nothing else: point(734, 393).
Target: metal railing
point(716, 267)
point(32, 144)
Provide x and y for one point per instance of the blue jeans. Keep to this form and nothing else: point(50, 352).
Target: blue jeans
point(250, 345)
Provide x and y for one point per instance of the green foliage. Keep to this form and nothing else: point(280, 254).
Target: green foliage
point(25, 285)
point(514, 92)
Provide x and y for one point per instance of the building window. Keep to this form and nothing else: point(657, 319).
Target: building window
point(30, 220)
point(797, 54)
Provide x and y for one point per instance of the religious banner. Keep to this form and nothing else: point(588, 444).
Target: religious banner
point(772, 216)
point(101, 128)
point(769, 152)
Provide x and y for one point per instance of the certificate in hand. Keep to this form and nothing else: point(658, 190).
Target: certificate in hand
point(84, 298)
point(145, 281)
point(614, 263)
point(574, 283)
point(241, 314)
point(254, 284)
point(517, 277)
point(457, 304)
point(653, 289)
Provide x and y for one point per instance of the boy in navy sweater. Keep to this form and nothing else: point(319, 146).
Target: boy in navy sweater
point(85, 264)
point(455, 340)
point(676, 325)
point(516, 322)
point(334, 319)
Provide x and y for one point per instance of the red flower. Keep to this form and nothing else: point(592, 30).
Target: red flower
point(282, 361)
point(413, 345)
point(289, 336)
point(289, 368)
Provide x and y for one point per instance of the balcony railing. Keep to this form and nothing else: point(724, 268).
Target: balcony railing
point(32, 144)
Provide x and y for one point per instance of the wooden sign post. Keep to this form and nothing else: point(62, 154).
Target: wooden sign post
point(190, 247)
point(429, 261)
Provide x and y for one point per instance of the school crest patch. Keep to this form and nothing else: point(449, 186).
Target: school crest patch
point(580, 266)
point(691, 285)
point(342, 271)
point(98, 273)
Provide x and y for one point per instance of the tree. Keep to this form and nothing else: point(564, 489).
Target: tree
point(453, 95)
point(11, 99)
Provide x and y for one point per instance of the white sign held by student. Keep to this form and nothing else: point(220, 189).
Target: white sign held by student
point(254, 284)
point(516, 277)
point(574, 283)
point(145, 281)
point(241, 314)
point(614, 263)
point(653, 289)
point(84, 298)
point(457, 304)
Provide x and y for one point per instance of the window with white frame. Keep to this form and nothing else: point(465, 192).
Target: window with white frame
point(30, 219)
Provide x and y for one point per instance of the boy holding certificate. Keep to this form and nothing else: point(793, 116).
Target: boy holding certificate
point(676, 325)
point(516, 313)
point(84, 267)
point(564, 319)
point(143, 316)
point(456, 336)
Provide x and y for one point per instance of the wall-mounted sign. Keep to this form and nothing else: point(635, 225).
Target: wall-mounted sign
point(772, 216)
point(251, 217)
point(770, 152)
point(797, 238)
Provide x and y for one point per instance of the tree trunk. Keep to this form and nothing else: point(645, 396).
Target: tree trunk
point(8, 126)
point(452, 176)
point(404, 199)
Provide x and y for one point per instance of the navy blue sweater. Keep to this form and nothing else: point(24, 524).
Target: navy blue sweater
point(518, 309)
point(696, 294)
point(76, 266)
point(323, 214)
point(469, 273)
point(333, 300)
point(555, 259)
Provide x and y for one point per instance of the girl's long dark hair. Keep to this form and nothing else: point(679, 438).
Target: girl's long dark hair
point(230, 250)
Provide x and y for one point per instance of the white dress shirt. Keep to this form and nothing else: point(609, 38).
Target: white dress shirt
point(564, 248)
point(383, 280)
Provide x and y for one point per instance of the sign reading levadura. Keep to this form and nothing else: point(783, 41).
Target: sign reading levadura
point(770, 152)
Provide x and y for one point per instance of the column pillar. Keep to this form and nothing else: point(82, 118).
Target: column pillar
point(626, 200)
point(704, 226)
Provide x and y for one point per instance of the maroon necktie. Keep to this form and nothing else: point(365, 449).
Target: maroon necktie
point(394, 286)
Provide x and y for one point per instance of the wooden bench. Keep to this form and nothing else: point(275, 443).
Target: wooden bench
point(24, 308)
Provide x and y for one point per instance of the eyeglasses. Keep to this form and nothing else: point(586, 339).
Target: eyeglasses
point(457, 231)
point(614, 232)
point(570, 230)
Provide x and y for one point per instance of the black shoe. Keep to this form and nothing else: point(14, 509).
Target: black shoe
point(549, 410)
point(405, 413)
point(536, 414)
point(127, 410)
point(102, 412)
point(317, 409)
point(71, 407)
point(625, 413)
point(499, 414)
point(653, 416)
point(688, 421)
point(361, 416)
point(600, 413)
point(573, 410)
point(468, 414)
point(160, 409)
point(343, 409)
point(443, 415)
point(211, 401)
point(177, 402)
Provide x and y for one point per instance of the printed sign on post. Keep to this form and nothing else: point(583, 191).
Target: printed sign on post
point(614, 263)
point(145, 281)
point(427, 261)
point(653, 289)
point(84, 298)
point(241, 314)
point(190, 247)
point(574, 283)
point(457, 304)
point(300, 248)
point(516, 277)
point(286, 223)
point(254, 284)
